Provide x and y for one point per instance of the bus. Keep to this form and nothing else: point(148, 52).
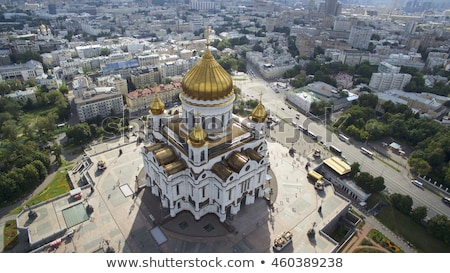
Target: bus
point(301, 128)
point(344, 138)
point(366, 152)
point(315, 176)
point(312, 135)
point(335, 150)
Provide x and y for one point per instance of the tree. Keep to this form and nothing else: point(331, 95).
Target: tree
point(376, 129)
point(40, 167)
point(30, 175)
point(104, 51)
point(312, 68)
point(79, 133)
point(364, 180)
point(318, 50)
point(355, 169)
point(377, 185)
point(9, 130)
point(368, 100)
point(419, 166)
point(5, 116)
point(47, 124)
point(419, 214)
point(439, 227)
point(258, 47)
point(366, 70)
point(63, 88)
point(402, 202)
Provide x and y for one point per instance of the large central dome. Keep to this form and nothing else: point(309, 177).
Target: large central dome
point(207, 80)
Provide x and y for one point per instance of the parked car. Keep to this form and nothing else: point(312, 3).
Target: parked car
point(417, 183)
point(446, 200)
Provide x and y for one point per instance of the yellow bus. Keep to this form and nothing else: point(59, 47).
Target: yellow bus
point(314, 175)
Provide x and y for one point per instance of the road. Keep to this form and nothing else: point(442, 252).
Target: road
point(396, 175)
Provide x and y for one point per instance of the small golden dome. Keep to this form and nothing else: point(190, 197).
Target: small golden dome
point(157, 106)
point(259, 113)
point(207, 80)
point(197, 137)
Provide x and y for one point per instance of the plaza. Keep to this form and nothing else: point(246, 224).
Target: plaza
point(125, 212)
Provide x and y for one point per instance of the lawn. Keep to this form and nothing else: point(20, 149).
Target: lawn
point(59, 185)
point(411, 231)
point(10, 235)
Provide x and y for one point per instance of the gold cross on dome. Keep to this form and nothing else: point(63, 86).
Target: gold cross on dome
point(260, 97)
point(207, 33)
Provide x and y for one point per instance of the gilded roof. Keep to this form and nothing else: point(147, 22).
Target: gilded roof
point(165, 155)
point(236, 161)
point(221, 170)
point(198, 136)
point(207, 80)
point(154, 147)
point(254, 155)
point(157, 106)
point(259, 113)
point(175, 167)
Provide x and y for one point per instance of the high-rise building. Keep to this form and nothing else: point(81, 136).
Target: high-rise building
point(52, 8)
point(330, 7)
point(360, 37)
point(206, 160)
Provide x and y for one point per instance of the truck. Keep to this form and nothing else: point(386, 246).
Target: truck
point(282, 240)
point(101, 165)
point(316, 153)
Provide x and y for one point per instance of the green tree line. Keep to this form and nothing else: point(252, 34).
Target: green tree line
point(429, 139)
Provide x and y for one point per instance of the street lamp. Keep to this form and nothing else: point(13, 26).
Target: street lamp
point(123, 122)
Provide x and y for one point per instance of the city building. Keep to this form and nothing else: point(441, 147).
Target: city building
point(49, 80)
point(145, 76)
point(140, 99)
point(387, 81)
point(88, 51)
point(385, 67)
point(99, 102)
point(22, 72)
point(115, 81)
point(24, 96)
point(360, 37)
point(206, 160)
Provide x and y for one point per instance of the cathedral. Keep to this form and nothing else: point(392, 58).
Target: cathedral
point(206, 159)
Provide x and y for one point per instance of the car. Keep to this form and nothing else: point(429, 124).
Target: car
point(446, 200)
point(417, 183)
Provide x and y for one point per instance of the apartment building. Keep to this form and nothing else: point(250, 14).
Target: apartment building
point(387, 81)
point(99, 102)
point(145, 77)
point(141, 98)
point(385, 67)
point(116, 81)
point(360, 37)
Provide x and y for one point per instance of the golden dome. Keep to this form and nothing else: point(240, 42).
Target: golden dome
point(157, 106)
point(259, 113)
point(197, 137)
point(207, 80)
